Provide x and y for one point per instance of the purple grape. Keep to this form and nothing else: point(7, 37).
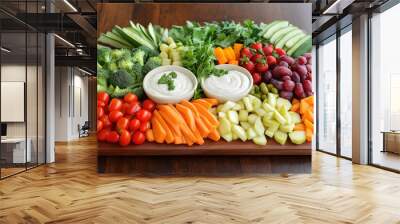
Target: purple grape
point(281, 71)
point(303, 77)
point(296, 77)
point(309, 68)
point(284, 64)
point(307, 85)
point(301, 60)
point(266, 77)
point(299, 91)
point(286, 77)
point(287, 59)
point(302, 70)
point(286, 94)
point(288, 85)
point(278, 84)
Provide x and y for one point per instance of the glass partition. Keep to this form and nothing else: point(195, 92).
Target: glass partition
point(385, 89)
point(327, 96)
point(346, 94)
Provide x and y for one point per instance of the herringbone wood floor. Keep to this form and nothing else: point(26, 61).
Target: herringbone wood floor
point(70, 191)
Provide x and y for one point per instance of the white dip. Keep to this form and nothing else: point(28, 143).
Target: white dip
point(231, 86)
point(183, 85)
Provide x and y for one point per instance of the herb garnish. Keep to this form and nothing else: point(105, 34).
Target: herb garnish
point(168, 79)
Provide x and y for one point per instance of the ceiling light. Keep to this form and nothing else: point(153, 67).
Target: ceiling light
point(70, 5)
point(65, 41)
point(84, 71)
point(5, 50)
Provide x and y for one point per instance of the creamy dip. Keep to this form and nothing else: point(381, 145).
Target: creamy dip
point(228, 87)
point(183, 85)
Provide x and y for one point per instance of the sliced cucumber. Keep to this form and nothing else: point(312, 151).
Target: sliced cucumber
point(299, 44)
point(266, 28)
point(287, 37)
point(290, 43)
point(280, 33)
point(304, 48)
point(275, 28)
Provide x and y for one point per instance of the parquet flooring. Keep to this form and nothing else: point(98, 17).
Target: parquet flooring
point(70, 191)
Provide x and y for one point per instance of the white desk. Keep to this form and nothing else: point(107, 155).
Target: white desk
point(18, 149)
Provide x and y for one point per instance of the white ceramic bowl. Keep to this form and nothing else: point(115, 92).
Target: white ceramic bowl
point(226, 97)
point(164, 99)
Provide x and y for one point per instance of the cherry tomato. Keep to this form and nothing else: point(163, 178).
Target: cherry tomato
point(115, 104)
point(125, 138)
point(280, 51)
point(100, 125)
point(149, 105)
point(256, 46)
point(103, 96)
point(138, 138)
point(100, 112)
point(102, 135)
point(113, 137)
point(100, 103)
point(132, 108)
point(130, 98)
point(143, 115)
point(134, 124)
point(106, 121)
point(115, 115)
point(144, 126)
point(122, 124)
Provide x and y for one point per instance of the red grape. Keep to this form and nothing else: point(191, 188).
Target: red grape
point(287, 59)
point(309, 68)
point(266, 77)
point(281, 71)
point(307, 85)
point(284, 64)
point(301, 60)
point(307, 55)
point(288, 85)
point(278, 84)
point(296, 77)
point(309, 93)
point(286, 77)
point(299, 91)
point(286, 94)
point(302, 70)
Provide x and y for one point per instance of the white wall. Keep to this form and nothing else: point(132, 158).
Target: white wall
point(70, 83)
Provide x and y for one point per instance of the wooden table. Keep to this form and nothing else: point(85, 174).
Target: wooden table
point(212, 158)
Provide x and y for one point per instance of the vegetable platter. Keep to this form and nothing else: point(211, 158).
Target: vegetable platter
point(200, 83)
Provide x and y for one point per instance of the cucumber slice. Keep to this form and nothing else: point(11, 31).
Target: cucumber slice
point(279, 34)
point(290, 43)
point(275, 28)
point(298, 137)
point(260, 140)
point(280, 137)
point(266, 28)
point(288, 36)
point(304, 48)
point(299, 44)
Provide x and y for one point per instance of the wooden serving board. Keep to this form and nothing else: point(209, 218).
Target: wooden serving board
point(212, 158)
point(220, 148)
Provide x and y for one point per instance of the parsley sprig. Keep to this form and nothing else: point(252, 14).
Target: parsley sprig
point(168, 79)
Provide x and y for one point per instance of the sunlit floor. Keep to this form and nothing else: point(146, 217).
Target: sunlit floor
point(71, 191)
point(386, 159)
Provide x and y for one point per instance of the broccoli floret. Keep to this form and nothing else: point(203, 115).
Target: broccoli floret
point(149, 52)
point(151, 64)
point(120, 53)
point(121, 79)
point(138, 56)
point(104, 55)
point(137, 72)
point(137, 90)
point(125, 64)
